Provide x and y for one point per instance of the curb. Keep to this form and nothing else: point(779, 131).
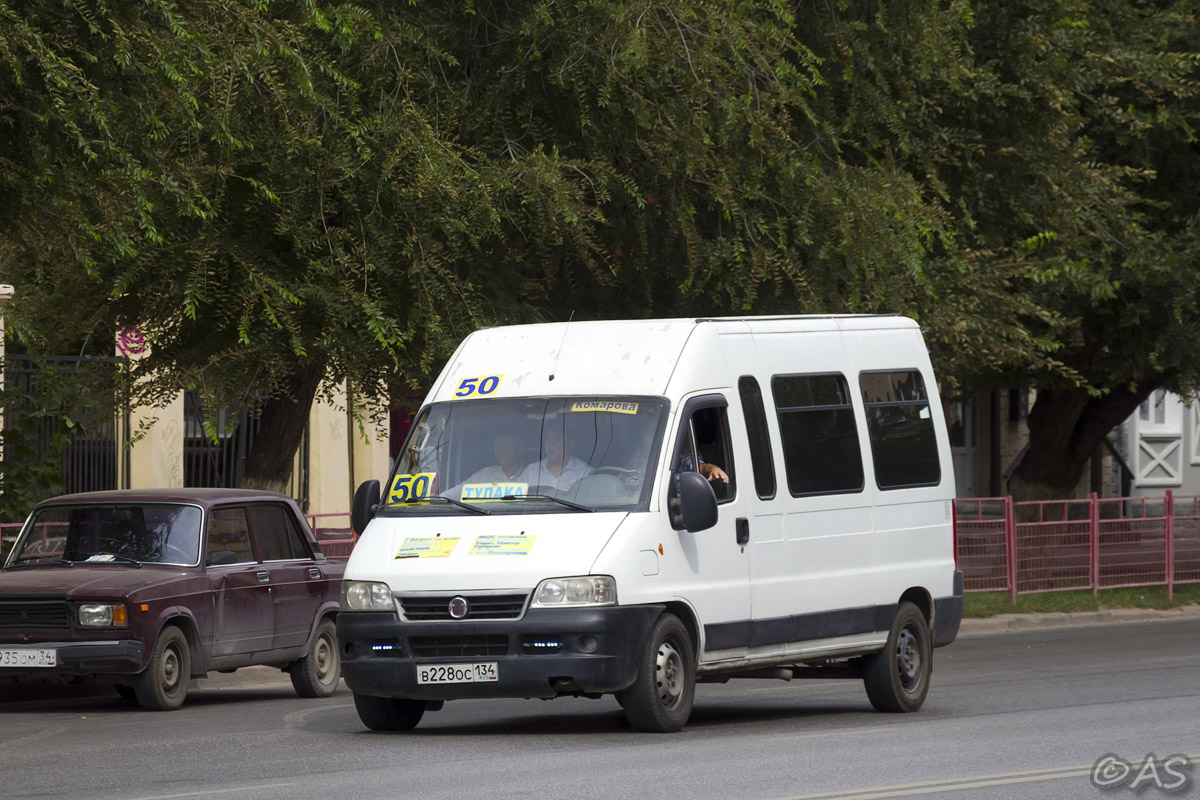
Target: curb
point(1013, 623)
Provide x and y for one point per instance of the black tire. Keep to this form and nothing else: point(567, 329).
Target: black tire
point(318, 673)
point(660, 700)
point(897, 677)
point(163, 684)
point(388, 713)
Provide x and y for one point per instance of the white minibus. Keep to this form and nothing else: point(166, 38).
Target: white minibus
point(637, 507)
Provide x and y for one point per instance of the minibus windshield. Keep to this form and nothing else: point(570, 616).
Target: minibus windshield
point(530, 454)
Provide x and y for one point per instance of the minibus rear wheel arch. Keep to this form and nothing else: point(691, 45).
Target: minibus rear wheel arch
point(921, 599)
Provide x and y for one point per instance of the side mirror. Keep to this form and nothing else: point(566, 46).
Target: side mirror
point(366, 500)
point(691, 502)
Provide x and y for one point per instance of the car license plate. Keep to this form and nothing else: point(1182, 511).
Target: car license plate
point(458, 673)
point(28, 657)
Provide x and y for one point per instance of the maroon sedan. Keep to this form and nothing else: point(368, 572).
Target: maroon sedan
point(145, 590)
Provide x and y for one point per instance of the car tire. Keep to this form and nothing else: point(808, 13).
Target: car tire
point(388, 713)
point(660, 700)
point(897, 677)
point(318, 673)
point(163, 684)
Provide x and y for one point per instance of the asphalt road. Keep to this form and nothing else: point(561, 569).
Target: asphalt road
point(1013, 715)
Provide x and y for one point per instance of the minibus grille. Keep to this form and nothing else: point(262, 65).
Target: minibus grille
point(458, 646)
point(437, 609)
point(38, 614)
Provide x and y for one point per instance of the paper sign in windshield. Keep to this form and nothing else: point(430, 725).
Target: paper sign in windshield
point(427, 547)
point(493, 491)
point(611, 406)
point(502, 545)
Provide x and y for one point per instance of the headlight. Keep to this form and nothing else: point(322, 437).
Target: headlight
point(367, 596)
point(586, 590)
point(102, 615)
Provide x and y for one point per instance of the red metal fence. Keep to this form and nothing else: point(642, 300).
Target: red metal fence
point(1059, 545)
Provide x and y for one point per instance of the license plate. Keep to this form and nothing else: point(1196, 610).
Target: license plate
point(28, 657)
point(458, 673)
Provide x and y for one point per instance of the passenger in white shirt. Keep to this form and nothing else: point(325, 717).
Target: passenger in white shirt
point(559, 469)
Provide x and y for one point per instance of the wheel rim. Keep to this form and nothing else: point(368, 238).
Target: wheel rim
point(670, 675)
point(171, 672)
point(908, 659)
point(324, 659)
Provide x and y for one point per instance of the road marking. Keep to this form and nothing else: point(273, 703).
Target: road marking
point(214, 792)
point(954, 784)
point(297, 717)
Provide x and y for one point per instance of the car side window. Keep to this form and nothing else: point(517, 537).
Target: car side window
point(276, 533)
point(229, 537)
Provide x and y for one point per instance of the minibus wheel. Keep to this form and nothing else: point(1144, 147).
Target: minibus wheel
point(388, 713)
point(897, 677)
point(660, 700)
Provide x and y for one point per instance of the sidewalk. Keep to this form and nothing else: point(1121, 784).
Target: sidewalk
point(1012, 623)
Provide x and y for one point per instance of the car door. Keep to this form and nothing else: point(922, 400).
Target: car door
point(243, 608)
point(299, 583)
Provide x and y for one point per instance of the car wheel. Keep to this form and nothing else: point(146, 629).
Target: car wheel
point(388, 713)
point(163, 684)
point(318, 673)
point(897, 677)
point(660, 700)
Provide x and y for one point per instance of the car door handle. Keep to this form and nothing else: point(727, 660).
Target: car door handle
point(263, 577)
point(743, 530)
point(313, 572)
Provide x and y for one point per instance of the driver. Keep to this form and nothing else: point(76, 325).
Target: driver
point(559, 469)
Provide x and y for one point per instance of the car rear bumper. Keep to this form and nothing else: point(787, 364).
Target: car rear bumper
point(119, 657)
point(548, 652)
point(947, 614)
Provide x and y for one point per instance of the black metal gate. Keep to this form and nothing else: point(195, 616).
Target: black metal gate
point(97, 456)
point(220, 462)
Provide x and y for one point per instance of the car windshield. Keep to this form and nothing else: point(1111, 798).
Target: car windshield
point(496, 456)
point(111, 533)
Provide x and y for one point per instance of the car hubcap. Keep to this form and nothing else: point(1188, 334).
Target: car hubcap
point(908, 660)
point(323, 658)
point(170, 670)
point(669, 669)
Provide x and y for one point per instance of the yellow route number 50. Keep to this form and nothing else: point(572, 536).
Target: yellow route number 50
point(408, 488)
point(480, 385)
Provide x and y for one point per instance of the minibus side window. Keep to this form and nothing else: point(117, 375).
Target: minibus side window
point(819, 436)
point(900, 424)
point(759, 437)
point(705, 449)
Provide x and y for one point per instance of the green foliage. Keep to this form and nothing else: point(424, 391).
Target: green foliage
point(269, 188)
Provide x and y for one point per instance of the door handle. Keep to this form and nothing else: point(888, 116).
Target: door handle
point(263, 577)
point(743, 530)
point(313, 572)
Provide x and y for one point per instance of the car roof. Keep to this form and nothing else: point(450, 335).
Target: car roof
point(197, 496)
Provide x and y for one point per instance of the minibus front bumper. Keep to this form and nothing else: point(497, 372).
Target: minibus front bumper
point(546, 653)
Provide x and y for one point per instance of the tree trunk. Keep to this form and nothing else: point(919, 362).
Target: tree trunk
point(1066, 426)
point(269, 463)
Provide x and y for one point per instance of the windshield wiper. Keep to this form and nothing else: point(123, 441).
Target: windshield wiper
point(559, 500)
point(443, 499)
point(30, 560)
point(114, 557)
